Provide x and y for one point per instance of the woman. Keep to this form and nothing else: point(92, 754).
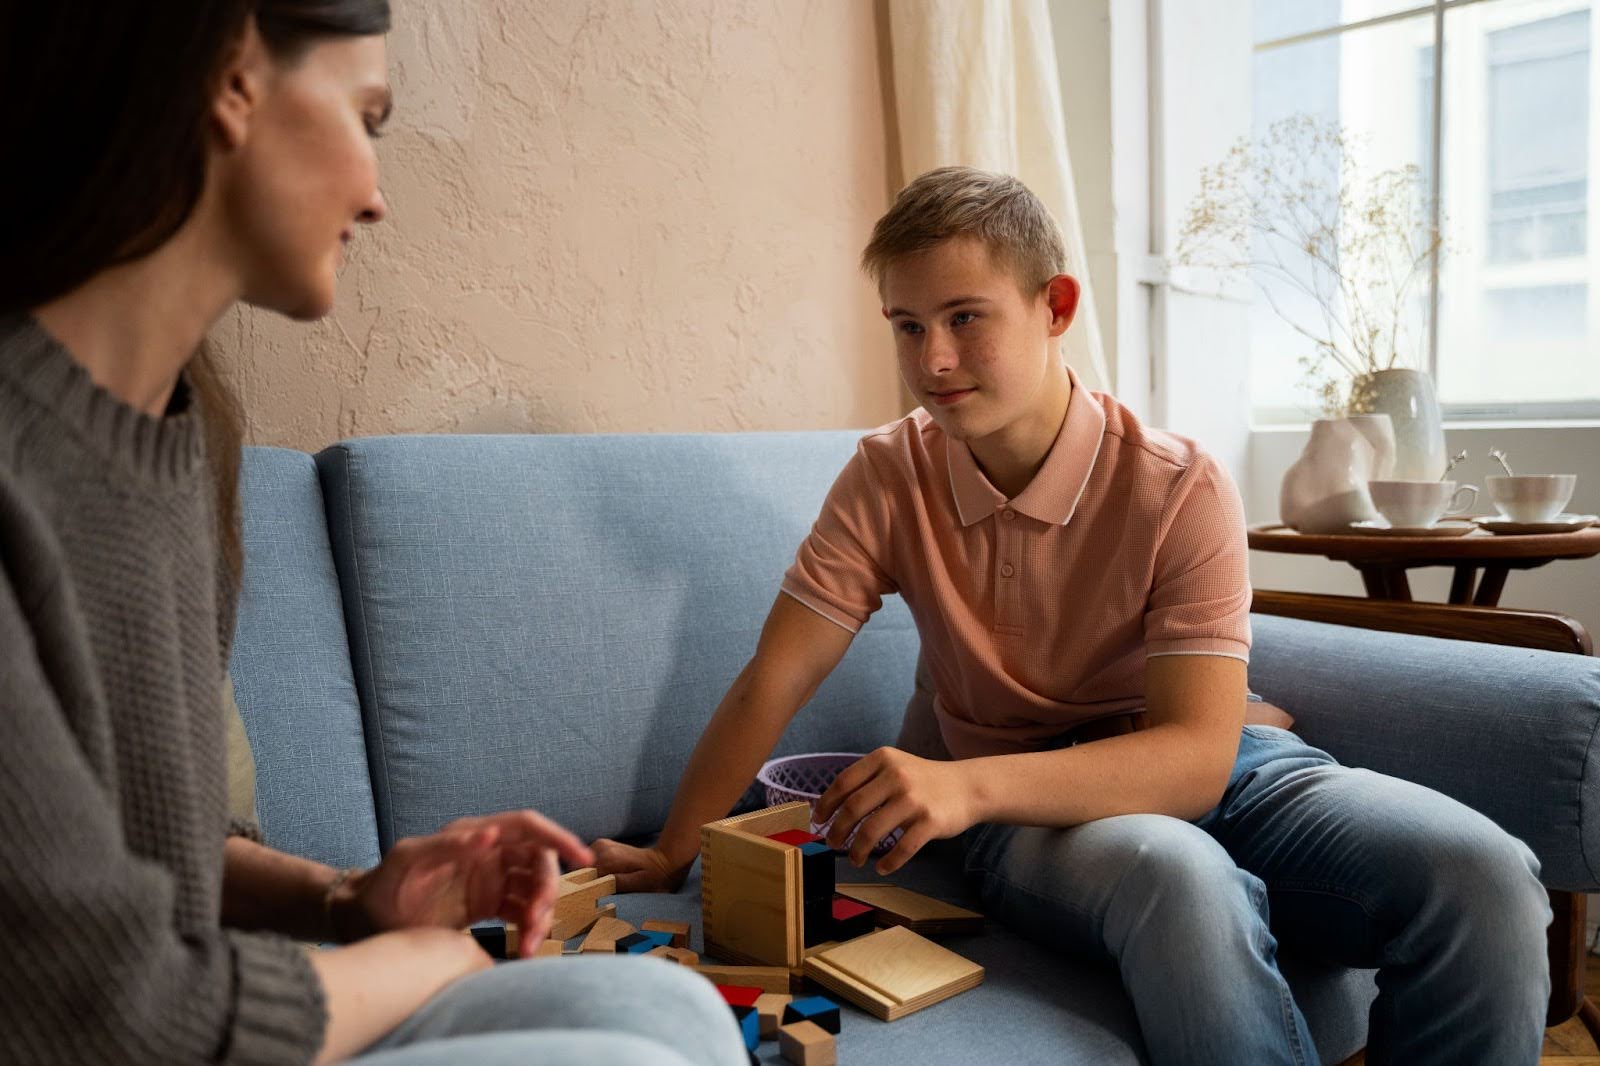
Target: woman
point(164, 161)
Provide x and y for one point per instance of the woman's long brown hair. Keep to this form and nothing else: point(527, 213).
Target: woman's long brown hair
point(105, 133)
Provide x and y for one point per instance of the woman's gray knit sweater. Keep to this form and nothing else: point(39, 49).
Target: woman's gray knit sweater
point(115, 617)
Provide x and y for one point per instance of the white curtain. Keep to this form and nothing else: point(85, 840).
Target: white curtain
point(976, 85)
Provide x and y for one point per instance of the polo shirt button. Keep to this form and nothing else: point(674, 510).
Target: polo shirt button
point(1008, 514)
point(1006, 570)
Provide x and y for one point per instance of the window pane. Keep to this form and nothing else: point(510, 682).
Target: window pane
point(1518, 315)
point(1277, 19)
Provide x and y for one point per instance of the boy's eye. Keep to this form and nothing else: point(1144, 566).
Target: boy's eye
point(374, 128)
point(910, 327)
point(961, 318)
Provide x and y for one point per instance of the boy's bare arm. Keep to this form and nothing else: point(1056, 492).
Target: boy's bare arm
point(797, 650)
point(1178, 766)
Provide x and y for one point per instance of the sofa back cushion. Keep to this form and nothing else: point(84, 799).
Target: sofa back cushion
point(549, 621)
point(291, 670)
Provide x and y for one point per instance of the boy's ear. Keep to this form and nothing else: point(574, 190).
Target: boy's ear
point(240, 88)
point(1062, 293)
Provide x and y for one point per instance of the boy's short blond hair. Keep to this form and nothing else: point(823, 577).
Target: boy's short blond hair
point(950, 202)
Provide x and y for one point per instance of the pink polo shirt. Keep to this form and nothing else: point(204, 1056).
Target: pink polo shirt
point(1036, 614)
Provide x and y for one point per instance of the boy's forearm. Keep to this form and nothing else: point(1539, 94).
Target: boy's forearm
point(1166, 769)
point(739, 737)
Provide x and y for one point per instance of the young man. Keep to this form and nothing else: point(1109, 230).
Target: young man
point(1076, 576)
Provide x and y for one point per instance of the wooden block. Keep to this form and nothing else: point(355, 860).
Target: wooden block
point(919, 913)
point(681, 956)
point(750, 887)
point(766, 978)
point(679, 931)
point(578, 877)
point(769, 1006)
point(491, 938)
point(577, 899)
point(806, 1044)
point(796, 837)
point(893, 972)
point(567, 928)
point(818, 1009)
point(749, 1025)
point(605, 934)
point(548, 948)
point(851, 918)
point(643, 943)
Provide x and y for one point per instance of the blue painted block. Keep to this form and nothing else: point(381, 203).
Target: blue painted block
point(749, 1026)
point(819, 1009)
point(643, 943)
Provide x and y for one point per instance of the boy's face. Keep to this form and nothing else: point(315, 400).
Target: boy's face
point(973, 348)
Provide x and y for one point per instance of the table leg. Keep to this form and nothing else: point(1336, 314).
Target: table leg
point(1494, 583)
point(1461, 584)
point(1399, 585)
point(1373, 578)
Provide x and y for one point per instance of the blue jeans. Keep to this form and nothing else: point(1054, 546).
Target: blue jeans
point(586, 1011)
point(1336, 864)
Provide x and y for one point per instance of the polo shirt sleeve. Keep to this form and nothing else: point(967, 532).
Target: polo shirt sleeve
point(1199, 600)
point(840, 570)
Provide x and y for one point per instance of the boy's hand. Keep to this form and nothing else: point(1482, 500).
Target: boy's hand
point(638, 869)
point(891, 789)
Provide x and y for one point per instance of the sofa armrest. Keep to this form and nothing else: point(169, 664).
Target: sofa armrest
point(1508, 731)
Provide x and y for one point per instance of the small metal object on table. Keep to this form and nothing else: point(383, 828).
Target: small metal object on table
point(1383, 561)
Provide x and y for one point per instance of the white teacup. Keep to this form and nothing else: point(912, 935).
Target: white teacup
point(1418, 504)
point(1531, 497)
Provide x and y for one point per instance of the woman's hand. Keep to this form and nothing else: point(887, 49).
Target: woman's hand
point(639, 869)
point(891, 789)
point(505, 866)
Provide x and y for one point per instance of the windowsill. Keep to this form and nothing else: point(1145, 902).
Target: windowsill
point(1549, 423)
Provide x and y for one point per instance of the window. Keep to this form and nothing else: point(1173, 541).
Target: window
point(1510, 322)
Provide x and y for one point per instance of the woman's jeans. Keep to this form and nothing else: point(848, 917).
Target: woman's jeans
point(1335, 864)
point(583, 1011)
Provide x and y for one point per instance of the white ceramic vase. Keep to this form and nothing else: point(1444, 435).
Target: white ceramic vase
point(1326, 488)
point(1412, 404)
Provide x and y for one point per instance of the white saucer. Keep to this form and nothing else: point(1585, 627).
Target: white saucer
point(1561, 523)
point(1445, 527)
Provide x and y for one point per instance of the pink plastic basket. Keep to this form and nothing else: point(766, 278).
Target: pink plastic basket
point(807, 777)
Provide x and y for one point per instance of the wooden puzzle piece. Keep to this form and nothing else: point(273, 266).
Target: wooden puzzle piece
point(643, 943)
point(893, 972)
point(681, 956)
point(851, 919)
point(796, 837)
point(919, 913)
point(739, 995)
point(749, 1025)
point(750, 887)
point(769, 1007)
point(807, 1044)
point(819, 1009)
point(567, 928)
point(607, 931)
point(766, 978)
point(679, 931)
point(548, 948)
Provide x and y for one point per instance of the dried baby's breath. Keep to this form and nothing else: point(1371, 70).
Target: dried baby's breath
point(1359, 251)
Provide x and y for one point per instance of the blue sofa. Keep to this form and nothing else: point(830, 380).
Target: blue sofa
point(439, 626)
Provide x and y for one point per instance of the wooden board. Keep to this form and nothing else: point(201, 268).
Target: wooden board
point(750, 889)
point(893, 972)
point(919, 913)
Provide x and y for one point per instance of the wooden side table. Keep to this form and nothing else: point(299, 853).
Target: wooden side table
point(1383, 561)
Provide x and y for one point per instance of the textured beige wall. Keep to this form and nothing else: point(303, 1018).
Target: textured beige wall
point(604, 217)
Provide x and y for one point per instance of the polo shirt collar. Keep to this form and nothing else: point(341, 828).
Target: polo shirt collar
point(1052, 496)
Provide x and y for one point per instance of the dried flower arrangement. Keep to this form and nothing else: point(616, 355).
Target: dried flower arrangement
point(1296, 210)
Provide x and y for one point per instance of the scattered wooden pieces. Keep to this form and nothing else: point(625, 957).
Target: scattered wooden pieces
point(681, 956)
point(679, 931)
point(919, 913)
point(807, 1044)
point(893, 972)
